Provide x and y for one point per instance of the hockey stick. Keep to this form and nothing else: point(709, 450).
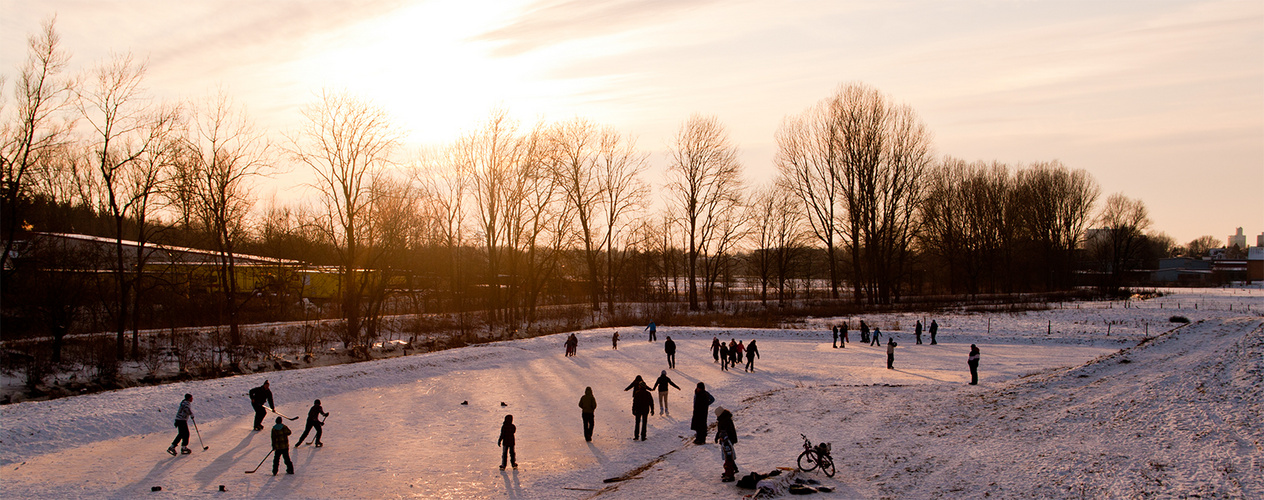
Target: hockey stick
point(265, 459)
point(199, 433)
point(282, 414)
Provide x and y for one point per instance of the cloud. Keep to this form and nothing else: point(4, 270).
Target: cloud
point(552, 22)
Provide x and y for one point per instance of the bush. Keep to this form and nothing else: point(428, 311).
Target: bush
point(1178, 319)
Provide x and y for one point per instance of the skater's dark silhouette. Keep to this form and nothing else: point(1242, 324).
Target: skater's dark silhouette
point(701, 401)
point(973, 361)
point(588, 410)
point(258, 397)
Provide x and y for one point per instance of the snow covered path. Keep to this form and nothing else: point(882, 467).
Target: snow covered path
point(1183, 414)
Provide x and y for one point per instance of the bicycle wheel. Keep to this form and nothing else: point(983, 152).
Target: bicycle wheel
point(807, 460)
point(827, 466)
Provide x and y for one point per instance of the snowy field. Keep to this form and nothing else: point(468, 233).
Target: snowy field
point(1064, 410)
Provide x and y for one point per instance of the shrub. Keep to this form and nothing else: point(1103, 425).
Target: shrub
point(1178, 319)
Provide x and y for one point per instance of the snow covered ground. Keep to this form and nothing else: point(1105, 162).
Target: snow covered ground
point(1063, 411)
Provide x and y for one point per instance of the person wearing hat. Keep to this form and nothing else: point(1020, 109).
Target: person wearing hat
point(588, 410)
point(281, 447)
point(258, 397)
point(701, 401)
point(182, 426)
point(313, 422)
point(726, 435)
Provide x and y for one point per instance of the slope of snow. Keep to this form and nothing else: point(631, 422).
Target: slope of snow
point(1063, 410)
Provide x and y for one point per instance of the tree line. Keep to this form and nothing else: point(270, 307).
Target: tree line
point(509, 219)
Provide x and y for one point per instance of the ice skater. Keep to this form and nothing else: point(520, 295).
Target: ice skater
point(614, 340)
point(726, 435)
point(752, 352)
point(669, 347)
point(258, 397)
point(890, 353)
point(701, 401)
point(973, 361)
point(652, 329)
point(715, 348)
point(313, 422)
point(587, 412)
point(642, 408)
point(661, 385)
point(934, 328)
point(182, 426)
point(877, 337)
point(506, 442)
point(842, 334)
point(281, 447)
point(917, 331)
point(835, 330)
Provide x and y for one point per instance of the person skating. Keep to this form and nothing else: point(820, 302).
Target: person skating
point(572, 343)
point(890, 353)
point(973, 365)
point(506, 442)
point(724, 356)
point(281, 447)
point(313, 422)
point(842, 335)
point(934, 328)
point(182, 426)
point(864, 332)
point(877, 337)
point(258, 397)
point(701, 401)
point(732, 352)
point(669, 347)
point(917, 331)
point(635, 382)
point(752, 352)
point(587, 412)
point(614, 340)
point(835, 330)
point(726, 435)
point(661, 386)
point(642, 408)
point(741, 352)
point(652, 329)
point(715, 348)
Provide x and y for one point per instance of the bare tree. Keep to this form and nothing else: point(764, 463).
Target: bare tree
point(811, 166)
point(224, 152)
point(124, 128)
point(1054, 207)
point(776, 234)
point(346, 142)
point(619, 168)
point(34, 135)
point(1121, 237)
point(704, 179)
point(576, 146)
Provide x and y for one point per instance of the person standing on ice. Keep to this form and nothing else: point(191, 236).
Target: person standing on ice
point(652, 329)
point(715, 348)
point(890, 353)
point(701, 401)
point(506, 442)
point(661, 385)
point(724, 356)
point(182, 426)
point(732, 352)
point(864, 332)
point(973, 361)
point(614, 340)
point(642, 408)
point(741, 352)
point(281, 447)
point(934, 328)
point(669, 347)
point(313, 422)
point(835, 330)
point(752, 352)
point(918, 332)
point(726, 435)
point(842, 334)
point(877, 337)
point(588, 411)
point(258, 397)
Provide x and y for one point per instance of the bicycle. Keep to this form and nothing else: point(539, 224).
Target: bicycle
point(816, 456)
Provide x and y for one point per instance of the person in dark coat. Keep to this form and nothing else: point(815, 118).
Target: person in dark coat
point(506, 442)
point(973, 361)
point(715, 348)
point(934, 328)
point(313, 422)
point(917, 331)
point(258, 397)
point(835, 330)
point(635, 382)
point(842, 334)
point(281, 447)
point(726, 435)
point(182, 426)
point(724, 356)
point(890, 353)
point(752, 352)
point(642, 408)
point(670, 348)
point(661, 385)
point(588, 410)
point(732, 352)
point(614, 340)
point(864, 332)
point(701, 401)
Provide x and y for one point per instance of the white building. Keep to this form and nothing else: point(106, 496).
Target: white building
point(1237, 239)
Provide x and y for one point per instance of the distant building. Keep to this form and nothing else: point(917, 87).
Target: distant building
point(1237, 239)
point(1183, 271)
point(1259, 240)
point(1255, 263)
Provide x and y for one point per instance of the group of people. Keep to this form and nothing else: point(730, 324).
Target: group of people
point(572, 342)
point(874, 338)
point(280, 437)
point(732, 353)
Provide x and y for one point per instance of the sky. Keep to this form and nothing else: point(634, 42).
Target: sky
point(1160, 100)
